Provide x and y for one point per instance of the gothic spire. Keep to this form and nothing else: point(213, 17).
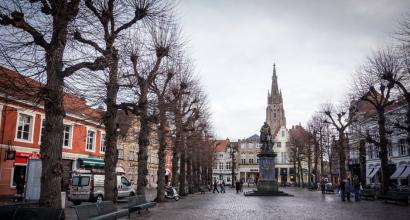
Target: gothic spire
point(274, 89)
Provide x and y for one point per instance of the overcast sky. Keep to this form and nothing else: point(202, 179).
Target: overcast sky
point(316, 45)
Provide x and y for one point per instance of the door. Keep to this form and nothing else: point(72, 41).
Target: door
point(65, 177)
point(80, 188)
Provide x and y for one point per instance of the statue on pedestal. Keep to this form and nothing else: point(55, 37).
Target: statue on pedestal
point(266, 138)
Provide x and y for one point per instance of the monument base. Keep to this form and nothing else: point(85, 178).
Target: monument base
point(266, 193)
point(267, 186)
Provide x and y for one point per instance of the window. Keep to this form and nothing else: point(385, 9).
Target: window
point(18, 174)
point(389, 151)
point(67, 136)
point(90, 140)
point(228, 179)
point(80, 181)
point(120, 150)
point(279, 144)
point(25, 127)
point(402, 147)
point(370, 152)
point(228, 165)
point(125, 182)
point(102, 145)
point(43, 125)
point(283, 133)
point(257, 160)
point(221, 156)
point(243, 159)
point(221, 165)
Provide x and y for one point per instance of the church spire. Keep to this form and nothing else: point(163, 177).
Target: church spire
point(274, 89)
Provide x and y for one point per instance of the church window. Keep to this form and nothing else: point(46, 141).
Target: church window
point(274, 115)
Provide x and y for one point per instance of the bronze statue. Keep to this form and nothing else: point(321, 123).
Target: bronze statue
point(266, 138)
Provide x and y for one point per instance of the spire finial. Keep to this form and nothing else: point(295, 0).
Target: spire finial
point(274, 69)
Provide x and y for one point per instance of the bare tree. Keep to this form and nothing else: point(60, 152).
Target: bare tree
point(372, 88)
point(35, 39)
point(113, 19)
point(340, 118)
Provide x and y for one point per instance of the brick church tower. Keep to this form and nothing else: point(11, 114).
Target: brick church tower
point(275, 114)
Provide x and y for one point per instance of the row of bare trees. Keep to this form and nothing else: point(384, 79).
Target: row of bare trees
point(379, 86)
point(125, 54)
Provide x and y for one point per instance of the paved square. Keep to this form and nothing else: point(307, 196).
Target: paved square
point(304, 205)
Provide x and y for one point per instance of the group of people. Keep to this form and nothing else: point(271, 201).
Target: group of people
point(347, 187)
point(238, 186)
point(221, 185)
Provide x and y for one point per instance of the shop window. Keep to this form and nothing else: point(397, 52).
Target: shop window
point(19, 174)
point(25, 127)
point(90, 140)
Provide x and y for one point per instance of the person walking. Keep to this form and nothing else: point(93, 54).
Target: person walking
point(241, 184)
point(342, 190)
point(237, 186)
point(356, 187)
point(223, 186)
point(322, 185)
point(348, 188)
point(215, 187)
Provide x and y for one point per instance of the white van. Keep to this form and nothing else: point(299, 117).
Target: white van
point(88, 187)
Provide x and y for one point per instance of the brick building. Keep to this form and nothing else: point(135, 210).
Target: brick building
point(21, 126)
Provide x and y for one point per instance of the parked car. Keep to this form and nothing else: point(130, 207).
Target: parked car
point(88, 187)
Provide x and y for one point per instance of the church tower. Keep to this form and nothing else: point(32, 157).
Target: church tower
point(275, 114)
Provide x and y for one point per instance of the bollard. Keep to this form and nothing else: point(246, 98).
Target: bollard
point(63, 200)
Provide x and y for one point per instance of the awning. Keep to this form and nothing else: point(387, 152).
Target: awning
point(373, 172)
point(406, 173)
point(91, 162)
point(398, 172)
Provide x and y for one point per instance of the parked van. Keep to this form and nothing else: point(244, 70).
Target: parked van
point(88, 187)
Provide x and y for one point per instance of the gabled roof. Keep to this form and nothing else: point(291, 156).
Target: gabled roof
point(220, 145)
point(22, 88)
point(253, 138)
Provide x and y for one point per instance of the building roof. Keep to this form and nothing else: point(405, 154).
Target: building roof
point(220, 145)
point(253, 138)
point(22, 88)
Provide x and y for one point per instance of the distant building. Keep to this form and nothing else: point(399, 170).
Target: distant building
point(222, 166)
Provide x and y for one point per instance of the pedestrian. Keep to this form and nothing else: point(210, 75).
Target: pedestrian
point(215, 187)
point(348, 188)
point(322, 185)
point(238, 186)
point(356, 187)
point(223, 186)
point(342, 190)
point(241, 184)
point(20, 181)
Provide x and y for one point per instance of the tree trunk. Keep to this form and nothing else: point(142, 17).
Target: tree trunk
point(176, 150)
point(233, 178)
point(316, 160)
point(342, 155)
point(383, 151)
point(161, 154)
point(111, 153)
point(182, 172)
point(189, 173)
point(143, 140)
point(362, 161)
point(51, 148)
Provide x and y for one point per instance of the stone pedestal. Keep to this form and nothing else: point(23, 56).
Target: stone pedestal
point(267, 181)
point(267, 184)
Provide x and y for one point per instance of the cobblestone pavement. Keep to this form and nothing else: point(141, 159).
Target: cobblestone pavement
point(304, 205)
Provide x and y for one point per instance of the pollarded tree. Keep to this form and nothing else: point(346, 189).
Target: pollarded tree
point(103, 27)
point(370, 87)
point(340, 117)
point(34, 36)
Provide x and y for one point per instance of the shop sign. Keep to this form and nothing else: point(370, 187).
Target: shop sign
point(10, 154)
